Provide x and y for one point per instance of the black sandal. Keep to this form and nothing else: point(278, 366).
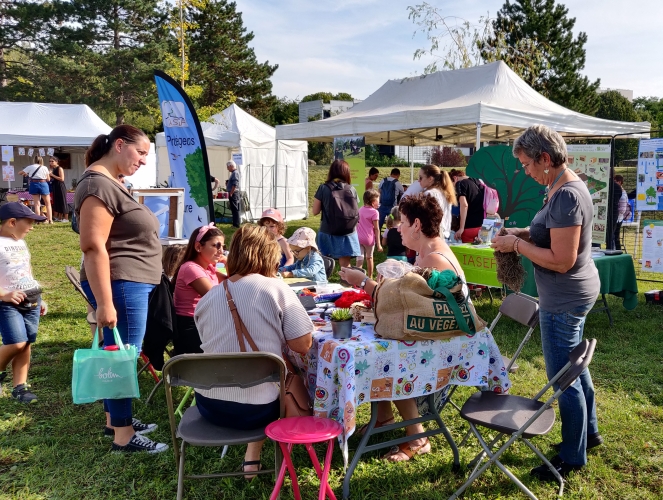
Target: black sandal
point(251, 462)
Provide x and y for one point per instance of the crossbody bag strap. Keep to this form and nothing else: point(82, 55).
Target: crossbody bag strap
point(35, 172)
point(240, 328)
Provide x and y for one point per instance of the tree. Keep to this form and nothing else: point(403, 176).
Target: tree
point(548, 26)
point(221, 61)
point(614, 106)
point(650, 110)
point(327, 97)
point(283, 111)
point(447, 157)
point(104, 55)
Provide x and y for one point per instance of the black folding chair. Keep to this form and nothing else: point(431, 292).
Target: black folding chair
point(524, 310)
point(206, 371)
point(329, 265)
point(521, 417)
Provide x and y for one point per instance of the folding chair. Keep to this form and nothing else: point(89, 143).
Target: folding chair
point(75, 278)
point(329, 265)
point(206, 371)
point(524, 310)
point(521, 417)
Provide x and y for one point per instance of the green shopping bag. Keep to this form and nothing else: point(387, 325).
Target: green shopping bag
point(100, 374)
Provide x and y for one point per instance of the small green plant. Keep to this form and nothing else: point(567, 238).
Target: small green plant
point(341, 315)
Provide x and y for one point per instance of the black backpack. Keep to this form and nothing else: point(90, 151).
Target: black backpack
point(343, 211)
point(388, 193)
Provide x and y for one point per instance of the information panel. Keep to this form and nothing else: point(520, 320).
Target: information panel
point(650, 175)
point(592, 164)
point(652, 246)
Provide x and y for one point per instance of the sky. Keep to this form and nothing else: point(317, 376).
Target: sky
point(355, 46)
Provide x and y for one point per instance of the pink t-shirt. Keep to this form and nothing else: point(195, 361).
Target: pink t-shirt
point(185, 297)
point(365, 229)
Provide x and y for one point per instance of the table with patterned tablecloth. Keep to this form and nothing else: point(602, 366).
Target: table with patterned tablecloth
point(342, 374)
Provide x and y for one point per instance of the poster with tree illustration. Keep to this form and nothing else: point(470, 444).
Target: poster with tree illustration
point(650, 175)
point(520, 196)
point(591, 162)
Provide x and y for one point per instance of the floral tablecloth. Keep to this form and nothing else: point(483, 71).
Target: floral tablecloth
point(342, 374)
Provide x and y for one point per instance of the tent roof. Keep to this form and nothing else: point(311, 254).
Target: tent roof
point(234, 128)
point(445, 107)
point(37, 124)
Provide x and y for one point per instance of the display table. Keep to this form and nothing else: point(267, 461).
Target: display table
point(616, 272)
point(342, 374)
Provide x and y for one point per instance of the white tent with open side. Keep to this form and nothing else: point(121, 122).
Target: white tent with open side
point(483, 103)
point(273, 173)
point(67, 128)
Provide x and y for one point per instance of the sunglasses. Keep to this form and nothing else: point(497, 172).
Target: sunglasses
point(218, 246)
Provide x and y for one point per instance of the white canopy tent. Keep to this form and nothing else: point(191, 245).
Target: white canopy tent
point(234, 131)
point(483, 103)
point(68, 128)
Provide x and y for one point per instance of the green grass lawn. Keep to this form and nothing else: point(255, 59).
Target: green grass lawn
point(55, 449)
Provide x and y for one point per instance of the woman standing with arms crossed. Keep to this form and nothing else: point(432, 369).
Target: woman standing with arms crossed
point(122, 264)
point(59, 190)
point(559, 245)
point(438, 184)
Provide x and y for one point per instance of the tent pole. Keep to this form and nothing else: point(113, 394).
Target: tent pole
point(411, 158)
point(276, 176)
point(478, 143)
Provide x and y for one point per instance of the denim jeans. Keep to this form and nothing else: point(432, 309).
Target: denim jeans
point(384, 211)
point(130, 301)
point(560, 333)
point(17, 326)
point(236, 207)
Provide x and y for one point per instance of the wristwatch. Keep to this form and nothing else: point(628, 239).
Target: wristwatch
point(363, 283)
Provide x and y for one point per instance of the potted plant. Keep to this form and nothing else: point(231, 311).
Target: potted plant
point(341, 322)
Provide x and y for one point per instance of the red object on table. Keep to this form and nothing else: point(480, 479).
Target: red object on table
point(307, 431)
point(349, 298)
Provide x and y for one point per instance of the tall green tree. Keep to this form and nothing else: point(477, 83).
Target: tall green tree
point(283, 112)
point(650, 109)
point(614, 106)
point(563, 56)
point(221, 61)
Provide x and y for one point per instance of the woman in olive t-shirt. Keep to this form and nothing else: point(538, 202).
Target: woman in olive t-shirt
point(122, 261)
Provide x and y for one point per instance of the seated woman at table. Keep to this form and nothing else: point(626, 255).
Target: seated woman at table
point(421, 216)
point(559, 243)
point(273, 316)
point(195, 276)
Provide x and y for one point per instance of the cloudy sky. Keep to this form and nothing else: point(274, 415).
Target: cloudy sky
point(356, 45)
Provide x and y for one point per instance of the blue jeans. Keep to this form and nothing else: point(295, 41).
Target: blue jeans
point(17, 326)
point(560, 333)
point(384, 211)
point(130, 301)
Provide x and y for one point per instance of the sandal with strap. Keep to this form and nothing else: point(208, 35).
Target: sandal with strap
point(380, 423)
point(408, 450)
point(250, 462)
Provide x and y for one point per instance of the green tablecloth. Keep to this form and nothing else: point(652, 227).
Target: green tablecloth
point(616, 272)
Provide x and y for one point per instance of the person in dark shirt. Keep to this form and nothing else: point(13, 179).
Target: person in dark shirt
point(470, 199)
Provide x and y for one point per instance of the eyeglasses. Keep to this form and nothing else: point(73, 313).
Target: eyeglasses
point(526, 166)
point(217, 245)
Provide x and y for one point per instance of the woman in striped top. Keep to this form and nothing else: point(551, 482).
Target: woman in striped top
point(273, 317)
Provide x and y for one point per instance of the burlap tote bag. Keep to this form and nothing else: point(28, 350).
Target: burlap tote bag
point(408, 309)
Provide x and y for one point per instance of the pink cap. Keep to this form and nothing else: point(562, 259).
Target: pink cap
point(272, 213)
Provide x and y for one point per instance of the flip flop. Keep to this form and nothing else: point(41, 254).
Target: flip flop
point(251, 462)
point(408, 450)
point(380, 423)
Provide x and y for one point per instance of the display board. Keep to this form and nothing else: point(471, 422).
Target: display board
point(652, 246)
point(592, 164)
point(353, 151)
point(650, 175)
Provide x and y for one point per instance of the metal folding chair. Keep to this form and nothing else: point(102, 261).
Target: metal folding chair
point(524, 310)
point(206, 371)
point(521, 417)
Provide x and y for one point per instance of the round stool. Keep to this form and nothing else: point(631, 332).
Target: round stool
point(307, 431)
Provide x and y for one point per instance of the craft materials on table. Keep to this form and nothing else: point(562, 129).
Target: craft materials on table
point(342, 374)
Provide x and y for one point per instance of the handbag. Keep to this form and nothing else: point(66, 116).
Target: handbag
point(101, 374)
point(408, 309)
point(297, 401)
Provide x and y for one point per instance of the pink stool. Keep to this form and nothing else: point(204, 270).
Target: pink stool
point(307, 431)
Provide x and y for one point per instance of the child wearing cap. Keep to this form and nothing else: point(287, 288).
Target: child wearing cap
point(309, 262)
point(273, 221)
point(20, 298)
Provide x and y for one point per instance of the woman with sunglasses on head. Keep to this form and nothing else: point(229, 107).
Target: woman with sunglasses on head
point(195, 276)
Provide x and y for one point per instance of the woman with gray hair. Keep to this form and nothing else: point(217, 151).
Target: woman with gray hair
point(558, 243)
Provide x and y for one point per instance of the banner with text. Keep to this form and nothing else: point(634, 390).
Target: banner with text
point(187, 154)
point(650, 175)
point(652, 246)
point(353, 151)
point(592, 164)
